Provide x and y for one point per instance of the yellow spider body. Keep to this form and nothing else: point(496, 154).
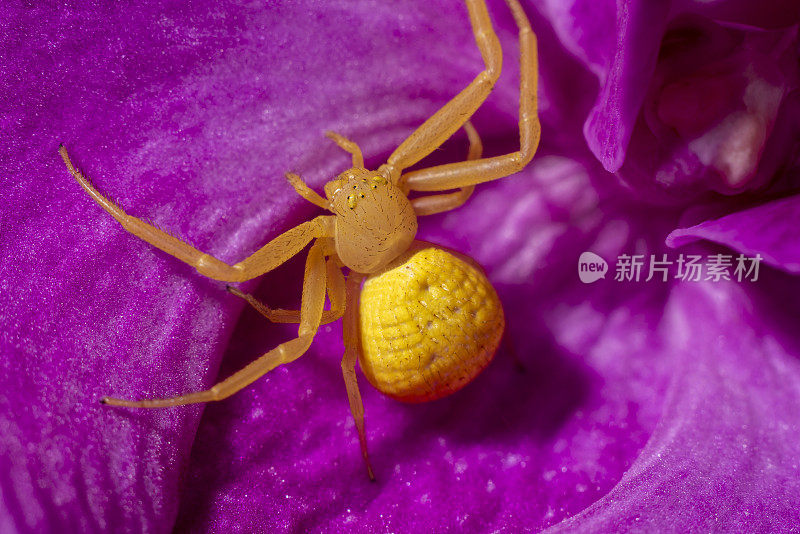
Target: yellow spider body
point(430, 322)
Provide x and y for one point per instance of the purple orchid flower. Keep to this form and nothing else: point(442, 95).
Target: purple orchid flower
point(657, 406)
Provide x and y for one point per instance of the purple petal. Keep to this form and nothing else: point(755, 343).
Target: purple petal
point(608, 128)
point(769, 230)
point(189, 119)
point(718, 115)
point(687, 101)
point(723, 456)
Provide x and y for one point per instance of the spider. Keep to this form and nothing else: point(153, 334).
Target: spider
point(426, 320)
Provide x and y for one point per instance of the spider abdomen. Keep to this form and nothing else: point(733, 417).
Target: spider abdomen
point(430, 323)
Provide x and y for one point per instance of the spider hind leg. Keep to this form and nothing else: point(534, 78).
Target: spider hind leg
point(313, 299)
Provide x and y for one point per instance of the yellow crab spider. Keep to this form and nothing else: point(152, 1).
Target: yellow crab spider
point(421, 320)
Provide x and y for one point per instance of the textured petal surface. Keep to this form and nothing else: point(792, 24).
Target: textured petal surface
point(649, 406)
point(723, 456)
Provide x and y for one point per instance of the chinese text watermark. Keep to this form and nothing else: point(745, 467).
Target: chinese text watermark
point(658, 267)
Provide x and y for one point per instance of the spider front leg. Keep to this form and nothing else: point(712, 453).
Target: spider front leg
point(306, 192)
point(352, 347)
point(348, 146)
point(263, 260)
point(313, 301)
point(431, 204)
point(444, 123)
point(467, 173)
point(309, 194)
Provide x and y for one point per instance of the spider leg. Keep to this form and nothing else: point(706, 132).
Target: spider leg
point(306, 192)
point(444, 123)
point(431, 204)
point(263, 260)
point(467, 173)
point(336, 294)
point(310, 316)
point(348, 146)
point(352, 347)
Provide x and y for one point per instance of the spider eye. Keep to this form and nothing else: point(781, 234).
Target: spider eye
point(351, 201)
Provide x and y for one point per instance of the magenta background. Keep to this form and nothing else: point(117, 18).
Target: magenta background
point(668, 407)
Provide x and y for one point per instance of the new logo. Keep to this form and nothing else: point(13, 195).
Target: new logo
point(591, 267)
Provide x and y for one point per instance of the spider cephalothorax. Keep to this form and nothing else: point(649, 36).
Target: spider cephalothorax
point(375, 221)
point(429, 320)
